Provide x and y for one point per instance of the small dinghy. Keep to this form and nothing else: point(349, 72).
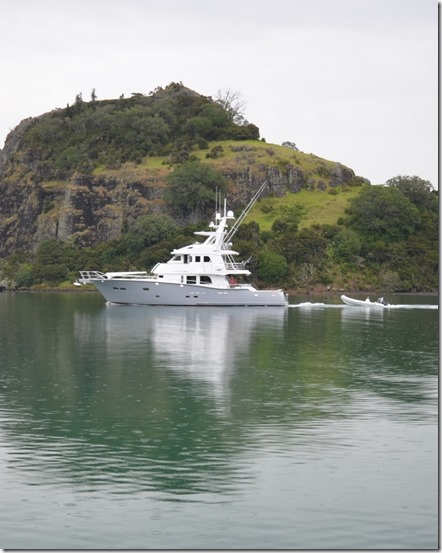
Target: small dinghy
point(379, 303)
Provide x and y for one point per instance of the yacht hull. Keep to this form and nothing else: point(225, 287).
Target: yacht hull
point(142, 292)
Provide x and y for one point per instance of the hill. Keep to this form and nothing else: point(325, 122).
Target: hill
point(117, 184)
point(87, 172)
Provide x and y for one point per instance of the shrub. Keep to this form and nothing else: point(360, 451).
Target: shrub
point(24, 277)
point(272, 267)
point(346, 245)
point(382, 213)
point(192, 187)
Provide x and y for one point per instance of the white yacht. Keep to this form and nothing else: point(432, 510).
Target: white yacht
point(202, 273)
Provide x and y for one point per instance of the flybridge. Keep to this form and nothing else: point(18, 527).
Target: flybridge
point(220, 235)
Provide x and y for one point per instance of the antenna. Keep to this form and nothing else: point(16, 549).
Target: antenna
point(243, 215)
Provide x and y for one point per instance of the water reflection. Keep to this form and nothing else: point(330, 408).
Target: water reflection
point(276, 425)
point(194, 342)
point(391, 353)
point(351, 314)
point(168, 399)
point(133, 398)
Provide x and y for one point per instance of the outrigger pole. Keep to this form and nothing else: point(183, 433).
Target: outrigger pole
point(244, 214)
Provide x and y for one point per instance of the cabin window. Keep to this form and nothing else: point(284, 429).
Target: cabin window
point(191, 279)
point(205, 280)
point(147, 289)
point(197, 258)
point(206, 258)
point(186, 259)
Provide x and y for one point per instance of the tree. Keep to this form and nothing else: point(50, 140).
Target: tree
point(382, 213)
point(232, 102)
point(305, 275)
point(272, 266)
point(289, 221)
point(291, 145)
point(79, 103)
point(307, 246)
point(417, 190)
point(150, 230)
point(346, 245)
point(50, 263)
point(192, 186)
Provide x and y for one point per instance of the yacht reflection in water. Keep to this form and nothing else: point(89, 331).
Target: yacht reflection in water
point(200, 343)
point(142, 399)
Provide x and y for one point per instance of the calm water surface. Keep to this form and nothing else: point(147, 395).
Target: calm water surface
point(161, 427)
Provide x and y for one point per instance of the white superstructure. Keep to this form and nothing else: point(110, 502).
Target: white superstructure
point(202, 273)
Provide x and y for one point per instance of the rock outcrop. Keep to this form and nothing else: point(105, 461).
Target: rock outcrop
point(91, 209)
point(48, 192)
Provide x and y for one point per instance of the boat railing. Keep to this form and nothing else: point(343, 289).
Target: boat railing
point(92, 275)
point(233, 266)
point(131, 274)
point(98, 275)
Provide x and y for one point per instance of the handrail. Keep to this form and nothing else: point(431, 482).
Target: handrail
point(236, 266)
point(98, 275)
point(88, 275)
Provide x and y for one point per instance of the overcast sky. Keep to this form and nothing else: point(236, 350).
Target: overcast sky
point(354, 81)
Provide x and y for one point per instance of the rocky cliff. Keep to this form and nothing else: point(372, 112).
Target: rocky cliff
point(87, 194)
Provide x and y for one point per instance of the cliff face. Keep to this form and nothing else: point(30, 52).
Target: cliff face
point(92, 209)
point(55, 182)
point(85, 209)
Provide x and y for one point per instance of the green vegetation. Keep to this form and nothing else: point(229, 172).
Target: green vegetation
point(379, 238)
point(317, 208)
point(192, 187)
point(88, 135)
point(146, 169)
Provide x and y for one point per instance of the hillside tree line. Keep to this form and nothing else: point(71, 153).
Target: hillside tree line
point(388, 239)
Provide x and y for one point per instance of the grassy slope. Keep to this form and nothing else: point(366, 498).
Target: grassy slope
point(259, 152)
point(252, 152)
point(317, 206)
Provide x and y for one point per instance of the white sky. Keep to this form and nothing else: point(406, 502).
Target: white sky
point(354, 81)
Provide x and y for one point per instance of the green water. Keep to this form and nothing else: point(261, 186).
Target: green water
point(217, 428)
